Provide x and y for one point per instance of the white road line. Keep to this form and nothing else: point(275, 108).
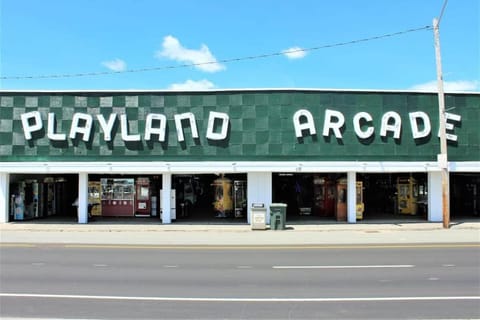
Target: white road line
point(346, 267)
point(38, 264)
point(206, 299)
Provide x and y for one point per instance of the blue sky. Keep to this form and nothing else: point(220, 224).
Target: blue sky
point(68, 37)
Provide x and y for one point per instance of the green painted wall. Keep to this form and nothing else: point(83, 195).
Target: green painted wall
point(261, 126)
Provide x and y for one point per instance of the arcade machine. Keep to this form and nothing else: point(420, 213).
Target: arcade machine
point(304, 196)
point(186, 196)
point(48, 196)
point(61, 196)
point(94, 199)
point(118, 197)
point(360, 207)
point(341, 207)
point(240, 198)
point(142, 199)
point(407, 195)
point(324, 196)
point(17, 205)
point(32, 208)
point(223, 203)
point(25, 200)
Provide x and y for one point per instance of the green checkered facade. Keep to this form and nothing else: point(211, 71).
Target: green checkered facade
point(261, 126)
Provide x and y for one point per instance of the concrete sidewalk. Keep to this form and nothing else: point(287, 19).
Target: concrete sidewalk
point(239, 234)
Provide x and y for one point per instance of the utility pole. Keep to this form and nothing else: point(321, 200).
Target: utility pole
point(442, 158)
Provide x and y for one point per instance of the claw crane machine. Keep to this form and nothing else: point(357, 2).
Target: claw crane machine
point(223, 203)
point(360, 207)
point(94, 198)
point(407, 196)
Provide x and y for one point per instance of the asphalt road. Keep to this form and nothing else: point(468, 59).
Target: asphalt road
point(310, 282)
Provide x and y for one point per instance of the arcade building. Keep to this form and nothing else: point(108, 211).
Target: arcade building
point(170, 156)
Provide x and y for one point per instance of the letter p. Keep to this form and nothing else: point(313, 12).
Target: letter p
point(31, 122)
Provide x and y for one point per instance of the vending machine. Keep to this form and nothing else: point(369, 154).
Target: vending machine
point(407, 195)
point(142, 197)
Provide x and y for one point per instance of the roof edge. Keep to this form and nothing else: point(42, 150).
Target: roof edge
point(230, 90)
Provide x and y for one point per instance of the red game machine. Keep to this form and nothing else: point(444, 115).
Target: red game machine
point(142, 199)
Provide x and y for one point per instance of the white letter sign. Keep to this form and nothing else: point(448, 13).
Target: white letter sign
point(178, 124)
point(211, 124)
point(449, 126)
point(395, 127)
point(335, 126)
point(308, 125)
point(358, 127)
point(35, 126)
point(76, 128)
point(417, 134)
point(149, 129)
point(51, 129)
point(125, 135)
point(107, 127)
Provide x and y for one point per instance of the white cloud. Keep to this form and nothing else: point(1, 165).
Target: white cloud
point(460, 85)
point(294, 53)
point(202, 58)
point(115, 65)
point(190, 85)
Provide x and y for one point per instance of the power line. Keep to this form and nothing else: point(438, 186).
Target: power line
point(442, 11)
point(254, 57)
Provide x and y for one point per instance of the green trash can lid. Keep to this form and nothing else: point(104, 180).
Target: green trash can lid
point(278, 204)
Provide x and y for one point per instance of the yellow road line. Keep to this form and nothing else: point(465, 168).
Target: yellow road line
point(18, 245)
point(269, 247)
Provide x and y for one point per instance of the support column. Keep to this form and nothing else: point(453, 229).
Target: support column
point(352, 197)
point(259, 190)
point(435, 209)
point(82, 210)
point(4, 196)
point(166, 199)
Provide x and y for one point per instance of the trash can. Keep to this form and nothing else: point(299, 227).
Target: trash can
point(258, 214)
point(278, 215)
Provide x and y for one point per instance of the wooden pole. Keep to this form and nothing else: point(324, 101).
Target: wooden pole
point(442, 157)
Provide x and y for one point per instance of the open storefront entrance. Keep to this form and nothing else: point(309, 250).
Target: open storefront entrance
point(40, 196)
point(209, 197)
point(311, 196)
point(395, 196)
point(465, 196)
point(123, 195)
